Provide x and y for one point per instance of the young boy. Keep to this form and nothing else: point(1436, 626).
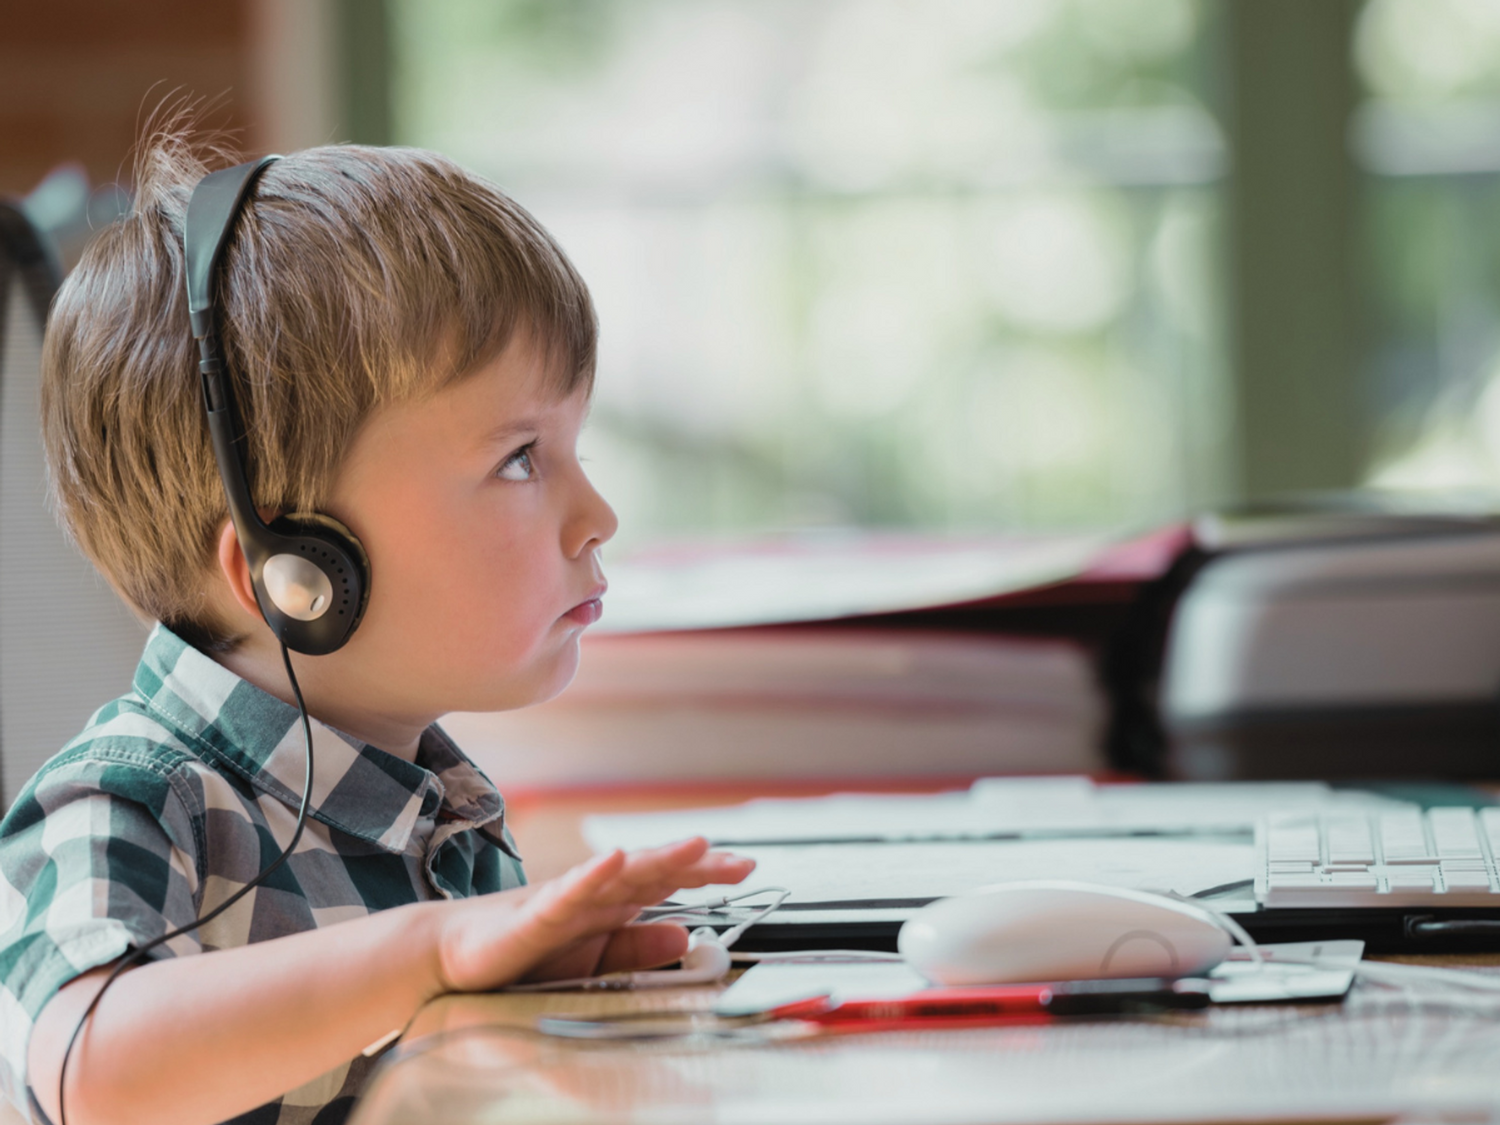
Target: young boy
point(413, 356)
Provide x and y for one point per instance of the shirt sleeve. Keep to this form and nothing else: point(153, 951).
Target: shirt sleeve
point(97, 856)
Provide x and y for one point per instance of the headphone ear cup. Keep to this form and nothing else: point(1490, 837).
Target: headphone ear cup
point(312, 582)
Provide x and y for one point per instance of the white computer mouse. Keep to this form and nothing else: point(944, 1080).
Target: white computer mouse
point(1040, 930)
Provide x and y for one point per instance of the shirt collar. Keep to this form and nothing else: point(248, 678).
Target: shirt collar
point(357, 788)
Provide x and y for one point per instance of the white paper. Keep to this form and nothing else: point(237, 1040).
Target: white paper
point(991, 807)
point(864, 872)
point(1238, 980)
point(1295, 970)
point(830, 577)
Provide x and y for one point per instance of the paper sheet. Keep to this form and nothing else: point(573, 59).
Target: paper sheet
point(854, 873)
point(830, 577)
point(1237, 980)
point(993, 806)
point(1288, 976)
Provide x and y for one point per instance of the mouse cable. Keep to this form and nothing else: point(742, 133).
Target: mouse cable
point(813, 956)
point(134, 957)
point(690, 910)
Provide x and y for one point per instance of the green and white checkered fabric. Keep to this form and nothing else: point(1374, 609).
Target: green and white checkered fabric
point(175, 796)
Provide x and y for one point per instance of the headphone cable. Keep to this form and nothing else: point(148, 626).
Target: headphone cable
point(136, 955)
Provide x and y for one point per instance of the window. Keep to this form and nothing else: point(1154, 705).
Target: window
point(1428, 137)
point(937, 264)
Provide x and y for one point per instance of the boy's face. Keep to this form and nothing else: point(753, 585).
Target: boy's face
point(483, 535)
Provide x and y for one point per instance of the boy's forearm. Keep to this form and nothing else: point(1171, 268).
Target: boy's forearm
point(199, 1039)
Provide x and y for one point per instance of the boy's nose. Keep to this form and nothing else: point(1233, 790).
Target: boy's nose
point(594, 522)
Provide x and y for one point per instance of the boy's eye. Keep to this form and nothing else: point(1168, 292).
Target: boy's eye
point(517, 466)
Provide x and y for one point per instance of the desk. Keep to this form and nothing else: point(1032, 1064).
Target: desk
point(1372, 1059)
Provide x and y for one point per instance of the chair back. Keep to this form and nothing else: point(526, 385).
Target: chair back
point(68, 644)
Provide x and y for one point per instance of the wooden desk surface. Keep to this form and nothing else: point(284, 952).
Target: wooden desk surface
point(474, 1059)
point(1378, 1057)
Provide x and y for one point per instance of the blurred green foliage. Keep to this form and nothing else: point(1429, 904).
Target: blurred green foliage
point(1428, 136)
point(941, 264)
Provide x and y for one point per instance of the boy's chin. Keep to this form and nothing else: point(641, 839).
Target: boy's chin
point(535, 685)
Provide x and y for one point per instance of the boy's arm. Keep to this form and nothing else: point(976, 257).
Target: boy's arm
point(198, 1039)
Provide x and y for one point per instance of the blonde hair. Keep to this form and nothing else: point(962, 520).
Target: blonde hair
point(356, 278)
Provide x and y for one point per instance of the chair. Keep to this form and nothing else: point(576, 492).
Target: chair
point(67, 643)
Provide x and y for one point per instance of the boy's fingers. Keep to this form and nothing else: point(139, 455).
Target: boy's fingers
point(561, 900)
point(716, 867)
point(648, 876)
point(653, 864)
point(562, 923)
point(575, 960)
point(606, 890)
point(590, 876)
point(651, 867)
point(643, 946)
point(550, 933)
point(549, 923)
point(703, 873)
point(649, 894)
point(621, 950)
point(598, 870)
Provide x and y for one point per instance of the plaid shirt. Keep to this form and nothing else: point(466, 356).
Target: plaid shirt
point(175, 796)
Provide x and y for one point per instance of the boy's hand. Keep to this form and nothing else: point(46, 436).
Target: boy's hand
point(577, 925)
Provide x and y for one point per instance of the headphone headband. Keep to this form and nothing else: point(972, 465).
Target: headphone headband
point(310, 573)
point(211, 212)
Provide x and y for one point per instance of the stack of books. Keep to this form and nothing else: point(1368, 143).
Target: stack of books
point(861, 657)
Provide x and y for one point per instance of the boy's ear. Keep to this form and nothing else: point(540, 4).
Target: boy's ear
point(236, 570)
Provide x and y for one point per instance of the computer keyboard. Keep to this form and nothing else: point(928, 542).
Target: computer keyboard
point(1388, 857)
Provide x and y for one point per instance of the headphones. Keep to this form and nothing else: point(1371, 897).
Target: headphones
point(310, 573)
point(706, 960)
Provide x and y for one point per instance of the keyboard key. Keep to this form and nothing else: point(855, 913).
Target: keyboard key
point(1349, 841)
point(1453, 832)
point(1489, 819)
point(1412, 880)
point(1405, 857)
point(1402, 836)
point(1466, 880)
point(1308, 880)
point(1293, 842)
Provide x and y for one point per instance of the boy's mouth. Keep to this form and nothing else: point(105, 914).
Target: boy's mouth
point(587, 612)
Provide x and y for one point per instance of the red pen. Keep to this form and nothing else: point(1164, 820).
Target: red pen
point(942, 1008)
point(994, 1005)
